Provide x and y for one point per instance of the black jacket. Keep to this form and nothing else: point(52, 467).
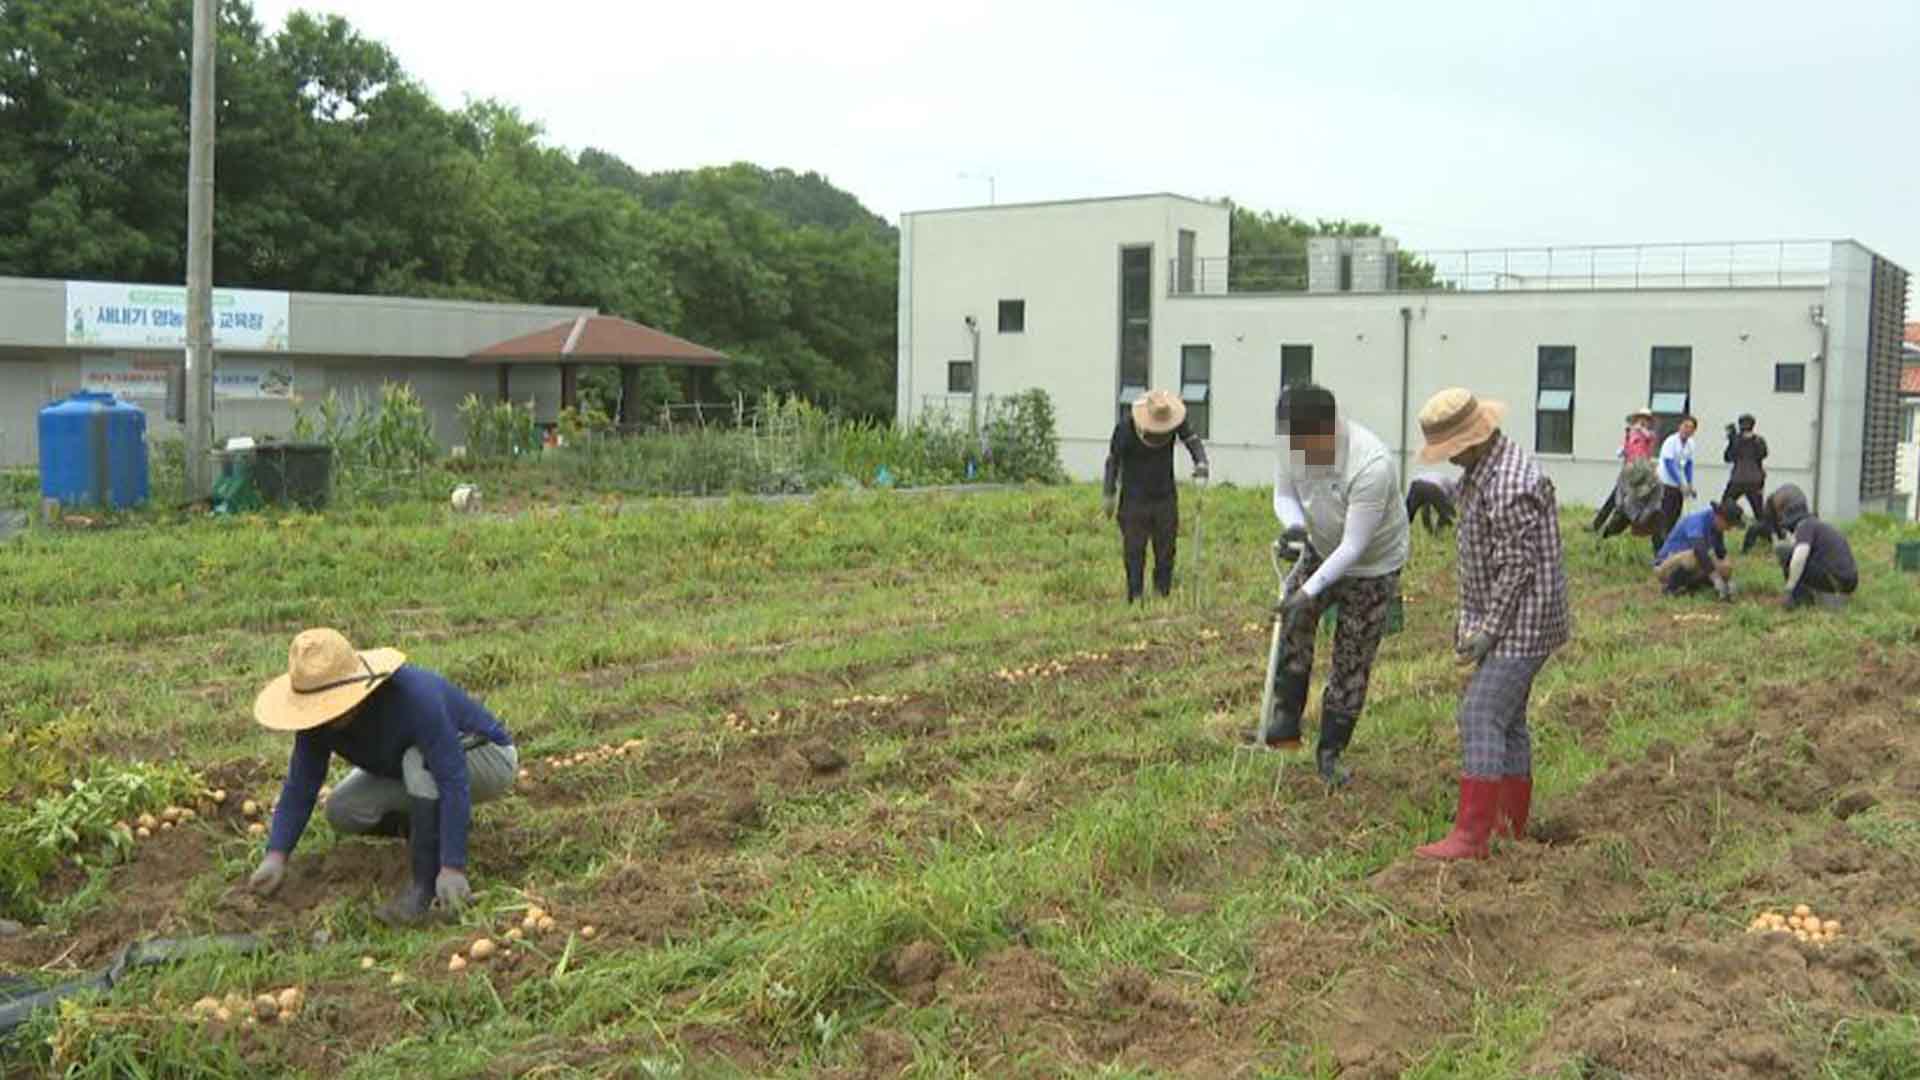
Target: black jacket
point(1746, 453)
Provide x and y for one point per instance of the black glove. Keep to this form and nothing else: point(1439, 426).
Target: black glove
point(1477, 647)
point(1296, 602)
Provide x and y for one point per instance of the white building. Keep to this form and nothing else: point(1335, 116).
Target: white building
point(1097, 300)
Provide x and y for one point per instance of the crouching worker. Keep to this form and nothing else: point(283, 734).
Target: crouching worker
point(1430, 500)
point(1335, 488)
point(1513, 613)
point(1695, 554)
point(1816, 559)
point(424, 752)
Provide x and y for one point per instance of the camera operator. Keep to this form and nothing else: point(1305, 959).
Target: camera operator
point(1747, 453)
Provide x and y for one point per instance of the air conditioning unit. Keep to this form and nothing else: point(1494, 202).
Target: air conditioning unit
point(1338, 264)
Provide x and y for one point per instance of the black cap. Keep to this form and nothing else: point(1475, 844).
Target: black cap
point(1746, 421)
point(1305, 408)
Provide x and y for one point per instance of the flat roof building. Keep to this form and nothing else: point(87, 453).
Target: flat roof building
point(1097, 300)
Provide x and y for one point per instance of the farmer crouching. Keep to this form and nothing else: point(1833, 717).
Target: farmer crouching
point(1139, 482)
point(1335, 489)
point(1695, 553)
point(1816, 559)
point(424, 753)
point(1513, 612)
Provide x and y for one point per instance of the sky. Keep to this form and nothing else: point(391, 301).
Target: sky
point(1475, 124)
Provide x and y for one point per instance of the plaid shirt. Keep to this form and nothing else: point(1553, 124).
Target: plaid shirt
point(1513, 581)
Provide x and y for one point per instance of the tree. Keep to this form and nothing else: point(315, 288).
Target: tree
point(1270, 250)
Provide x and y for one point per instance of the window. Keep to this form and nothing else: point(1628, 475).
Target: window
point(1553, 405)
point(1296, 367)
point(1013, 316)
point(1789, 378)
point(960, 377)
point(1136, 324)
point(1183, 278)
point(1670, 396)
point(1196, 387)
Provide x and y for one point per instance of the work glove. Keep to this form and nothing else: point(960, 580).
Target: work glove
point(452, 889)
point(1476, 648)
point(273, 870)
point(1108, 506)
point(1200, 473)
point(1296, 601)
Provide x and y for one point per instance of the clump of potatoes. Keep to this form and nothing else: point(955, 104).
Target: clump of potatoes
point(1802, 923)
point(282, 1006)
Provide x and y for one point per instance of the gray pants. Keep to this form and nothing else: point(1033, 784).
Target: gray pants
point(362, 799)
point(1494, 738)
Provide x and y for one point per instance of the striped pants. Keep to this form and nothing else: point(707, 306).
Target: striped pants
point(1494, 738)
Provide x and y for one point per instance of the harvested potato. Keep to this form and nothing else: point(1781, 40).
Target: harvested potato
point(219, 796)
point(144, 833)
point(457, 963)
point(223, 1015)
point(536, 912)
point(397, 980)
point(250, 808)
point(148, 821)
point(256, 829)
point(1802, 910)
point(1832, 926)
point(516, 934)
point(290, 1001)
point(588, 932)
point(481, 949)
point(206, 1006)
point(547, 924)
point(266, 1007)
point(366, 963)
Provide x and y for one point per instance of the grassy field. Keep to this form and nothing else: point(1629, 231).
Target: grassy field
point(904, 789)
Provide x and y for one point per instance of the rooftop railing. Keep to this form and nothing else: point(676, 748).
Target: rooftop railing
point(1724, 265)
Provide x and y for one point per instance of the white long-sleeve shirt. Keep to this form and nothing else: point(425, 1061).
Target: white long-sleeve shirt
point(1676, 461)
point(1352, 509)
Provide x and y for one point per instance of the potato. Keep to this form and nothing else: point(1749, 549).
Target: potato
point(481, 949)
point(188, 815)
point(219, 796)
point(256, 829)
point(1797, 922)
point(266, 1006)
point(144, 833)
point(547, 924)
point(223, 1015)
point(1802, 910)
point(516, 934)
point(588, 932)
point(148, 821)
point(290, 1000)
point(166, 826)
point(399, 979)
point(530, 925)
point(250, 808)
point(206, 1005)
point(458, 963)
point(366, 963)
point(1832, 926)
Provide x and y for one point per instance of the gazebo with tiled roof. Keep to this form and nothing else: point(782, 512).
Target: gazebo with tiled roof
point(596, 339)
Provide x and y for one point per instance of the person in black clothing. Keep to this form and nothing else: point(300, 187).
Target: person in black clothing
point(1747, 453)
point(1430, 498)
point(1139, 485)
point(1816, 560)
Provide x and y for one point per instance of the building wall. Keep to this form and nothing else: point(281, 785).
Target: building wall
point(1063, 260)
point(1490, 343)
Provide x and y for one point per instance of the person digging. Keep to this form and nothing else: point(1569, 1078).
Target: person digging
point(1815, 558)
point(1139, 486)
point(1513, 612)
point(424, 752)
point(1335, 490)
point(1695, 553)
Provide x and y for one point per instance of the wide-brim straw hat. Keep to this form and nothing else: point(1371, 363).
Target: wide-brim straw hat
point(326, 677)
point(1158, 412)
point(1639, 414)
point(1453, 420)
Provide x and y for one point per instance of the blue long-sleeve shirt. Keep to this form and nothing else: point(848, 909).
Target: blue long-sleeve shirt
point(1695, 533)
point(414, 708)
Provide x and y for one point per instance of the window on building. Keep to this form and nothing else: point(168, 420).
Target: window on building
point(1183, 278)
point(1670, 395)
point(1553, 403)
point(1296, 367)
point(1013, 316)
point(1196, 387)
point(1789, 378)
point(1136, 324)
point(960, 377)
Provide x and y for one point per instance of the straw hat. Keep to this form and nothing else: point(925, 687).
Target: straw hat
point(325, 678)
point(1639, 414)
point(1157, 412)
point(1453, 420)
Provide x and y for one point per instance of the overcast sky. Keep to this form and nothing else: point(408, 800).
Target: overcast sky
point(1474, 124)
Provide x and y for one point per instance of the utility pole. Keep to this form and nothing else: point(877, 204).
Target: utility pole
point(199, 434)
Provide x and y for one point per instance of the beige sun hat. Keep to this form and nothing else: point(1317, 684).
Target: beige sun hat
point(1158, 412)
point(1453, 420)
point(325, 678)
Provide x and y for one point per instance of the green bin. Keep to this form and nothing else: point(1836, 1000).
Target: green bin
point(1906, 556)
point(298, 474)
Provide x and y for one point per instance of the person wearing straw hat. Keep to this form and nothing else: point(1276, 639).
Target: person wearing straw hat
point(1336, 489)
point(1637, 447)
point(424, 752)
point(1139, 485)
point(1513, 612)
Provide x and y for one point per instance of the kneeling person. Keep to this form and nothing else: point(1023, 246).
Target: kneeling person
point(424, 752)
point(1816, 559)
point(1335, 488)
point(1695, 553)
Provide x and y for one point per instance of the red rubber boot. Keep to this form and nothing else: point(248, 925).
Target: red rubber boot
point(1516, 799)
point(1472, 823)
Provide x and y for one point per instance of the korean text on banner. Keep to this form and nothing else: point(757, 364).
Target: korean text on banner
point(155, 316)
point(233, 380)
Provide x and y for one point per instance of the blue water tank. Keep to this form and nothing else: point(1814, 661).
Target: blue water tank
point(93, 451)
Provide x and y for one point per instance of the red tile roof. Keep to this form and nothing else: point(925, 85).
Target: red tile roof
point(1913, 333)
point(599, 339)
point(1910, 379)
